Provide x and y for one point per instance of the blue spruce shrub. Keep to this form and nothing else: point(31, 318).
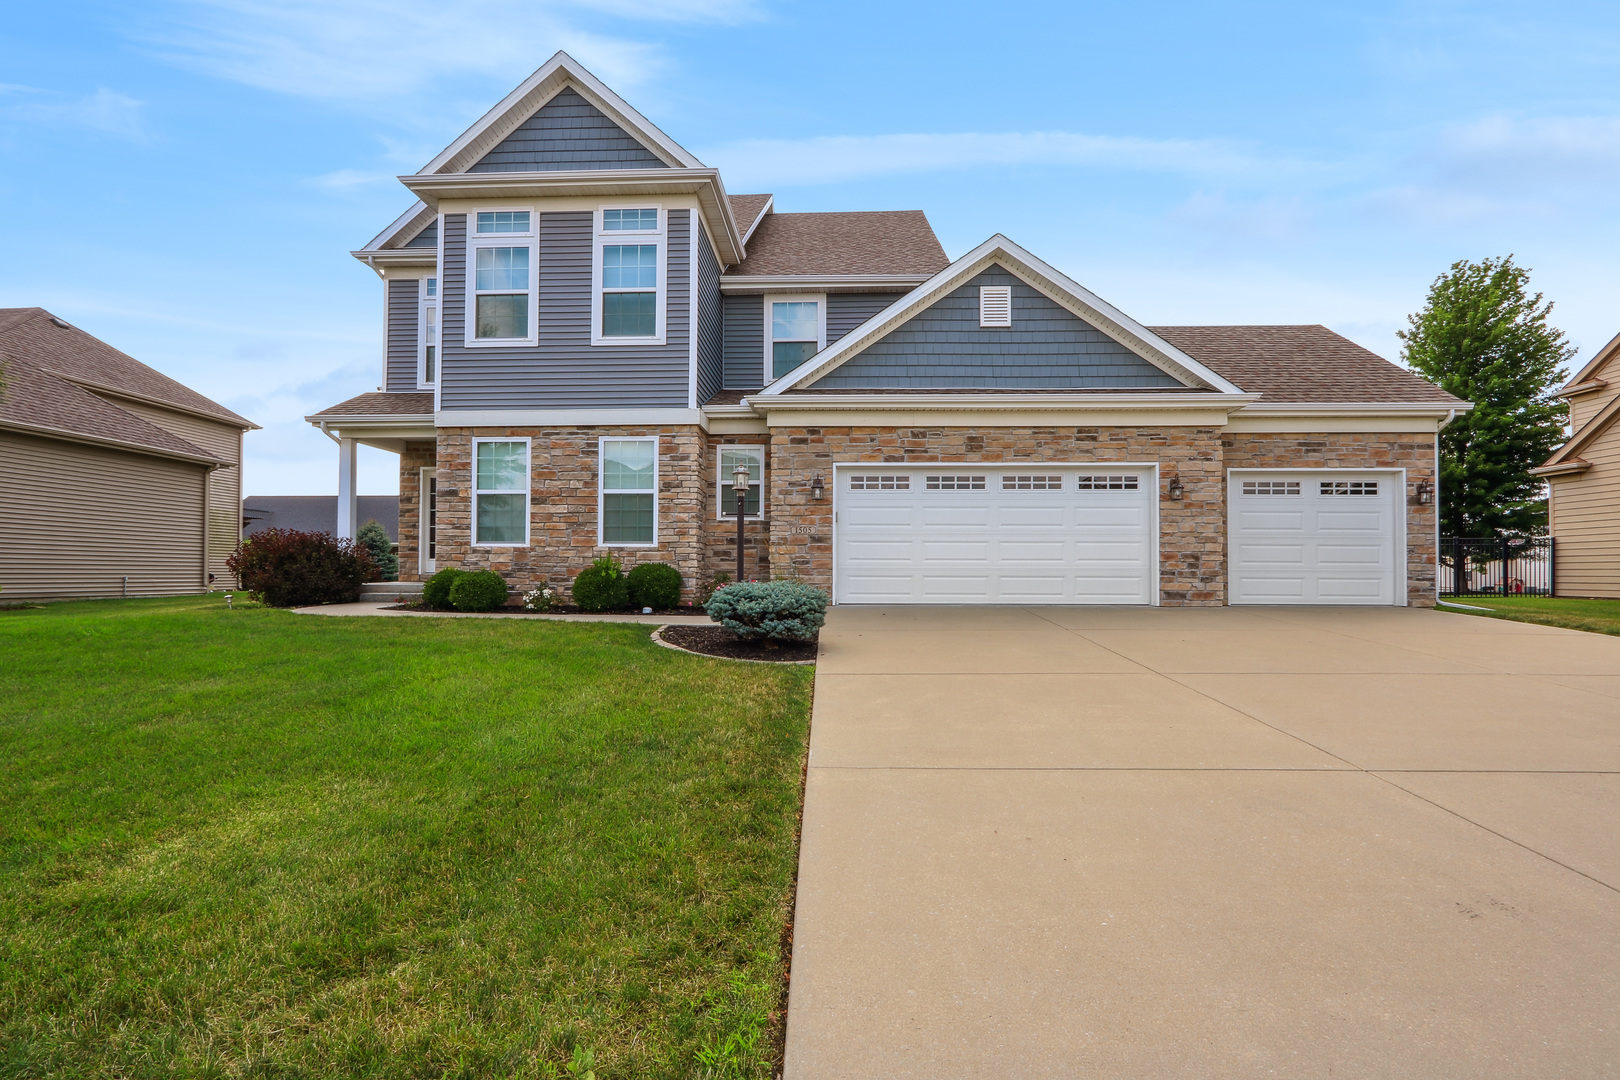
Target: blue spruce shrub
point(780, 610)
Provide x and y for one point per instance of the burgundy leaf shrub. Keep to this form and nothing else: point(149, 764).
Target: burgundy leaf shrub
point(287, 568)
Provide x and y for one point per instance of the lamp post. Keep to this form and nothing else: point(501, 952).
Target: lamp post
point(739, 484)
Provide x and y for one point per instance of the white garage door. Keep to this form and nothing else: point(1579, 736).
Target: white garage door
point(1313, 537)
point(958, 534)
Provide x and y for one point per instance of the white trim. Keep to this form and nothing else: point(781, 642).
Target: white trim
point(995, 307)
point(568, 417)
point(768, 332)
point(722, 480)
point(602, 491)
point(747, 283)
point(1061, 400)
point(1155, 594)
point(527, 492)
point(1039, 275)
point(426, 563)
point(692, 313)
point(602, 238)
point(397, 226)
point(475, 241)
point(1403, 572)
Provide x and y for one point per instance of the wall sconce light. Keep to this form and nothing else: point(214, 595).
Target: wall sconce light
point(816, 490)
point(1175, 490)
point(1425, 493)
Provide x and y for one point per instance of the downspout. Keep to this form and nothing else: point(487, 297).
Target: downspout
point(329, 435)
point(1451, 414)
point(208, 484)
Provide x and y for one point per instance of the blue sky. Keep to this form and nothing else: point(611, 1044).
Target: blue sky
point(186, 177)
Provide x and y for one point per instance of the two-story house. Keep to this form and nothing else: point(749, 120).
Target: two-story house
point(586, 333)
point(1583, 481)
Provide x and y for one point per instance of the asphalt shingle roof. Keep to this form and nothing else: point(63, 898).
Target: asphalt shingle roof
point(378, 403)
point(863, 242)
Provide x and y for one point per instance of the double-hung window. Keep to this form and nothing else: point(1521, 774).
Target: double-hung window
point(501, 492)
point(502, 258)
point(730, 457)
point(630, 266)
point(798, 330)
point(628, 511)
point(428, 373)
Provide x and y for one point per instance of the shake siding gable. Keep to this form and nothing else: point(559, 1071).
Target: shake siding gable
point(565, 370)
point(568, 132)
point(745, 342)
point(1047, 347)
point(403, 315)
point(710, 321)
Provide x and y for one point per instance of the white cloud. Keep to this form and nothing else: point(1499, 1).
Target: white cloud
point(834, 158)
point(105, 111)
point(344, 181)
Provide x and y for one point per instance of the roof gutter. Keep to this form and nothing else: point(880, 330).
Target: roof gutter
point(1034, 402)
point(63, 435)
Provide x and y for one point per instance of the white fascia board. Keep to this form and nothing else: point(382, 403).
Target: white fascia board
point(398, 257)
point(533, 93)
point(1034, 402)
point(763, 283)
point(1058, 287)
point(417, 215)
point(1564, 468)
point(466, 418)
point(376, 420)
point(1366, 408)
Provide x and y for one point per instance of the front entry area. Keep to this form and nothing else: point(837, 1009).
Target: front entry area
point(1020, 534)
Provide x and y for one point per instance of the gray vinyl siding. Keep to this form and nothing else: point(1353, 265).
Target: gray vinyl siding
point(710, 320)
point(427, 238)
point(745, 342)
point(1047, 347)
point(565, 370)
point(568, 132)
point(74, 520)
point(404, 313)
point(846, 311)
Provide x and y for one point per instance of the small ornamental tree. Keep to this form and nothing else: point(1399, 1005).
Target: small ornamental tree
point(287, 568)
point(375, 539)
point(1484, 337)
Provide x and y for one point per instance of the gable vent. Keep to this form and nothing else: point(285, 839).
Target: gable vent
point(995, 305)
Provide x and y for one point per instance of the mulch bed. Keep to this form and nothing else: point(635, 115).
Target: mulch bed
point(558, 609)
point(718, 641)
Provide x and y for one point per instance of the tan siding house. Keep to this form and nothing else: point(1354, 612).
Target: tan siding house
point(1583, 477)
point(115, 480)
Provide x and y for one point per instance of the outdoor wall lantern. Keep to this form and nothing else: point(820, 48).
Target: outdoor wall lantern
point(1425, 493)
point(816, 490)
point(739, 484)
point(1175, 490)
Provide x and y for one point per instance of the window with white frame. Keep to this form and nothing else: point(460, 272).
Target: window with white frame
point(798, 330)
point(630, 261)
point(628, 510)
point(502, 257)
point(730, 458)
point(501, 492)
point(428, 373)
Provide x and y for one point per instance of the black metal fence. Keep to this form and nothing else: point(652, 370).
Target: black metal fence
point(1515, 566)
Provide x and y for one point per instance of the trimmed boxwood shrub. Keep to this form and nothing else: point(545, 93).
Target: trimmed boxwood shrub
point(656, 585)
point(288, 568)
point(436, 589)
point(784, 610)
point(601, 587)
point(481, 590)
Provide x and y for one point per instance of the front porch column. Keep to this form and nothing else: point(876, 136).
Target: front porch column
point(348, 507)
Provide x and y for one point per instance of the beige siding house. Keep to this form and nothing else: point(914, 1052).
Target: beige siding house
point(114, 479)
point(1583, 506)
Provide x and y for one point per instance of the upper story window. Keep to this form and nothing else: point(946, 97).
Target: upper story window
point(501, 272)
point(428, 368)
point(432, 286)
point(798, 330)
point(630, 269)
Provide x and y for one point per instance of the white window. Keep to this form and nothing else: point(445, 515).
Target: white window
point(630, 265)
point(955, 483)
point(428, 338)
point(1349, 487)
point(879, 483)
point(1107, 483)
point(501, 492)
point(797, 330)
point(628, 499)
point(754, 458)
point(995, 305)
point(1271, 487)
point(501, 267)
point(1032, 483)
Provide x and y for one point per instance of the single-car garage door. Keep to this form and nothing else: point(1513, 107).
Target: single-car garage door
point(1322, 536)
point(960, 534)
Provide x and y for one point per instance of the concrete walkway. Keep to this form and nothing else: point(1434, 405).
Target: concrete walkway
point(1208, 843)
point(368, 607)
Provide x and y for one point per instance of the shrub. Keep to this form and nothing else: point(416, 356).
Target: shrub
point(787, 610)
point(601, 587)
point(540, 598)
point(707, 590)
point(481, 590)
point(374, 538)
point(655, 585)
point(436, 590)
point(288, 568)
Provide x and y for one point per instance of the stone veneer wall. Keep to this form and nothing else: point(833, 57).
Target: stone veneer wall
point(418, 454)
point(563, 472)
point(1192, 566)
point(1410, 451)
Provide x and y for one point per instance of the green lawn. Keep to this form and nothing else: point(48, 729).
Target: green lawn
point(252, 843)
point(1598, 616)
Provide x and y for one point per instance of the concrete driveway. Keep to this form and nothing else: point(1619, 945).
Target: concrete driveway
point(1208, 843)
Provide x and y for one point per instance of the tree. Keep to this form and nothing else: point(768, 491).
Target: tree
point(374, 538)
point(1483, 337)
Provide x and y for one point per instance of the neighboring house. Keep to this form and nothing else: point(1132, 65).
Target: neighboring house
point(1583, 478)
point(585, 334)
point(315, 513)
point(114, 479)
